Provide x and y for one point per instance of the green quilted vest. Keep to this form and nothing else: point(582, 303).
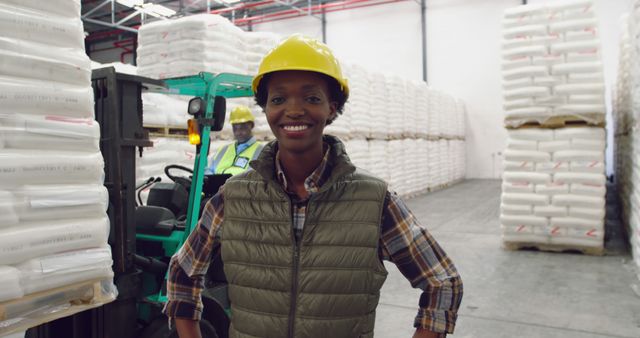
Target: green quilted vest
point(326, 286)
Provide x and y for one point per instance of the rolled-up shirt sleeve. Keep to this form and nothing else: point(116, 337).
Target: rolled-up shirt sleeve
point(406, 243)
point(189, 265)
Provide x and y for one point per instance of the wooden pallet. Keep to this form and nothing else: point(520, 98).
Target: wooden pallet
point(41, 307)
point(165, 131)
point(415, 194)
point(563, 121)
point(586, 250)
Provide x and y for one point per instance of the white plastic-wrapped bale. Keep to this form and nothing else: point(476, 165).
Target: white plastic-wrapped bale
point(410, 164)
point(395, 155)
point(358, 151)
point(433, 125)
point(257, 45)
point(380, 165)
point(422, 165)
point(359, 111)
point(165, 151)
point(552, 64)
point(549, 176)
point(410, 117)
point(52, 198)
point(189, 45)
point(163, 110)
point(396, 97)
point(433, 153)
point(422, 110)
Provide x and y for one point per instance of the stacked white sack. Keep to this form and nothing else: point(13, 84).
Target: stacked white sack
point(552, 64)
point(460, 120)
point(361, 100)
point(461, 160)
point(421, 166)
point(189, 45)
point(627, 138)
point(358, 151)
point(554, 187)
point(52, 198)
point(422, 110)
point(397, 167)
point(380, 106)
point(380, 165)
point(433, 153)
point(257, 45)
point(396, 97)
point(357, 118)
point(433, 122)
point(443, 160)
point(163, 110)
point(411, 108)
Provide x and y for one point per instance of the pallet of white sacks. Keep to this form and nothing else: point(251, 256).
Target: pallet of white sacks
point(20, 314)
point(558, 248)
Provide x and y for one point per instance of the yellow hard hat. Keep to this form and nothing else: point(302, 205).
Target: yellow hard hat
point(298, 52)
point(241, 114)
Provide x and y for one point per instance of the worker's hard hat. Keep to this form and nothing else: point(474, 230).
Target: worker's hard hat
point(241, 114)
point(298, 52)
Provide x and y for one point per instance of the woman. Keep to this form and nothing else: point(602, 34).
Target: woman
point(303, 235)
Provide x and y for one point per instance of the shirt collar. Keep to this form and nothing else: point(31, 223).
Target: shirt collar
point(249, 142)
point(312, 183)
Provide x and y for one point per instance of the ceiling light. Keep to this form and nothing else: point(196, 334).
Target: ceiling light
point(160, 10)
point(131, 3)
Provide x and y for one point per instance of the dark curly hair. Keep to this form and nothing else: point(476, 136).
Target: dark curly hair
point(335, 93)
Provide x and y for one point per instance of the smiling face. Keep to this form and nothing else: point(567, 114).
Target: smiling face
point(242, 131)
point(298, 107)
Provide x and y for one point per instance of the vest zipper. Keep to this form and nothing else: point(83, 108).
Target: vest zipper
point(294, 287)
point(297, 242)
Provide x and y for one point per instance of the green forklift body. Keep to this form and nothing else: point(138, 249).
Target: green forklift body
point(206, 86)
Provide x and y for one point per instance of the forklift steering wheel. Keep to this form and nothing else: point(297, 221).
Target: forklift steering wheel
point(184, 181)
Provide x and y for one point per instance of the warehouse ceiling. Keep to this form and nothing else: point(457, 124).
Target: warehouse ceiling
point(114, 20)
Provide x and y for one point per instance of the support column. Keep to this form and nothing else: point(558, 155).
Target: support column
point(323, 19)
point(423, 12)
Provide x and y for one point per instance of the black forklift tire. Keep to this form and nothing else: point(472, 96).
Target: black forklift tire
point(207, 330)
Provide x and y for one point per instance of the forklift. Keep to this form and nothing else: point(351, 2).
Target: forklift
point(143, 238)
point(157, 241)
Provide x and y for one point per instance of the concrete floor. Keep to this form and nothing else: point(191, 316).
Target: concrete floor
point(513, 294)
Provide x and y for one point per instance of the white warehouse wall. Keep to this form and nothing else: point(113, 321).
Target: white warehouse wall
point(384, 38)
point(463, 56)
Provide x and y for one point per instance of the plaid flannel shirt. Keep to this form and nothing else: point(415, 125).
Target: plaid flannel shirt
point(403, 241)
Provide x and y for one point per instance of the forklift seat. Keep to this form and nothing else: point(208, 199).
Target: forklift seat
point(152, 220)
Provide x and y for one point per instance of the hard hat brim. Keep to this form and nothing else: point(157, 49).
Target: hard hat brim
point(344, 87)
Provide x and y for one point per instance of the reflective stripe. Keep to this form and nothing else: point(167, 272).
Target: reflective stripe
point(218, 158)
point(258, 151)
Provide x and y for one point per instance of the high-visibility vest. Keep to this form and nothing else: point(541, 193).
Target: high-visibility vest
point(227, 161)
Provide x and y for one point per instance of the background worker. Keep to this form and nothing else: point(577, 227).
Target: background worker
point(234, 158)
